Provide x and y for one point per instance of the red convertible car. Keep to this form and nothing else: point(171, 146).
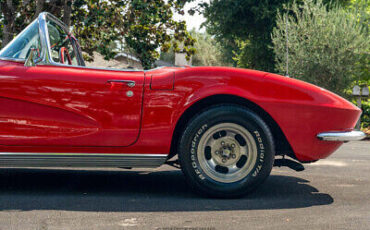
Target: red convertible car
point(226, 125)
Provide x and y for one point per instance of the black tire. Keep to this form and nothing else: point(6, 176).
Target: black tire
point(220, 182)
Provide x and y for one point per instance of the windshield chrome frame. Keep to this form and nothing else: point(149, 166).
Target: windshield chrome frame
point(45, 42)
point(45, 53)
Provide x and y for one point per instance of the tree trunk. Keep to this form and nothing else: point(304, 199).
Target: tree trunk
point(56, 7)
point(7, 35)
point(39, 7)
point(7, 9)
point(67, 12)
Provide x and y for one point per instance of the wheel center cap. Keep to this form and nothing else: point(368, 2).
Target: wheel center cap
point(226, 152)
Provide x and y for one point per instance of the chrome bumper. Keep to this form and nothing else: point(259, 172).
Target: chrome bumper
point(342, 136)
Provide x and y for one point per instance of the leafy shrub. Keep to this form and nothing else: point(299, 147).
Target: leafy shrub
point(365, 117)
point(326, 48)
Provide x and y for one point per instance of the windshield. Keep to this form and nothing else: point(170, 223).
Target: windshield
point(21, 45)
point(51, 40)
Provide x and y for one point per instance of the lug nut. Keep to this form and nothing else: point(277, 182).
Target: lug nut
point(233, 156)
point(223, 160)
point(232, 145)
point(217, 152)
point(222, 143)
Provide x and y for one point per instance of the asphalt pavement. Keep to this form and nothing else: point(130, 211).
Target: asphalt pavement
point(330, 194)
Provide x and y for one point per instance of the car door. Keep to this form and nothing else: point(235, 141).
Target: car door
point(59, 105)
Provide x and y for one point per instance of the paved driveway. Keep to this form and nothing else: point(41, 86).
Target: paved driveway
point(330, 194)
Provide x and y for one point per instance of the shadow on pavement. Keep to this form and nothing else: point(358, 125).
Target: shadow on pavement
point(130, 191)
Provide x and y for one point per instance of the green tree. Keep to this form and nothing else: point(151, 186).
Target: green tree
point(149, 25)
point(208, 51)
point(327, 48)
point(245, 27)
point(361, 9)
point(96, 23)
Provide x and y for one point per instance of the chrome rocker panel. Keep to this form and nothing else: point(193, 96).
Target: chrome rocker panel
point(342, 136)
point(81, 160)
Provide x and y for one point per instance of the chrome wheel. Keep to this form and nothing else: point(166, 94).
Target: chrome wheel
point(227, 152)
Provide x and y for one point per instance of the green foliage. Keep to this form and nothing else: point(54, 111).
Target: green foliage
point(149, 25)
point(361, 9)
point(365, 117)
point(145, 25)
point(94, 23)
point(244, 29)
point(249, 21)
point(208, 51)
point(168, 56)
point(326, 48)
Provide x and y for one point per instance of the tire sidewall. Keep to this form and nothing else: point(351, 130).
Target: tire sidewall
point(226, 114)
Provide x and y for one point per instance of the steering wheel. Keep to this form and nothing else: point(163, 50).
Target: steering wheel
point(64, 51)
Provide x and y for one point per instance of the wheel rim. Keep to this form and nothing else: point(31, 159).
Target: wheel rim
point(227, 152)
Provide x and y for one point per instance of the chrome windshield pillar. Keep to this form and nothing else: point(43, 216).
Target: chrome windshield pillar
point(44, 39)
point(45, 42)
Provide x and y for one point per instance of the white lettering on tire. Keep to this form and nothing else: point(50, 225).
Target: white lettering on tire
point(261, 154)
point(193, 151)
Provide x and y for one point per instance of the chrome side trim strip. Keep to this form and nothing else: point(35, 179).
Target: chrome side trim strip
point(13, 59)
point(341, 136)
point(97, 160)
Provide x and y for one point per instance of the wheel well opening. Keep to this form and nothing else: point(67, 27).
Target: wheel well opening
point(282, 146)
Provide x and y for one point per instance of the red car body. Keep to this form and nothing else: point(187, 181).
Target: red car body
point(226, 125)
point(57, 112)
point(53, 109)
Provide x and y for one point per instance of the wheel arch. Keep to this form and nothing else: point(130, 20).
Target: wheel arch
point(282, 145)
